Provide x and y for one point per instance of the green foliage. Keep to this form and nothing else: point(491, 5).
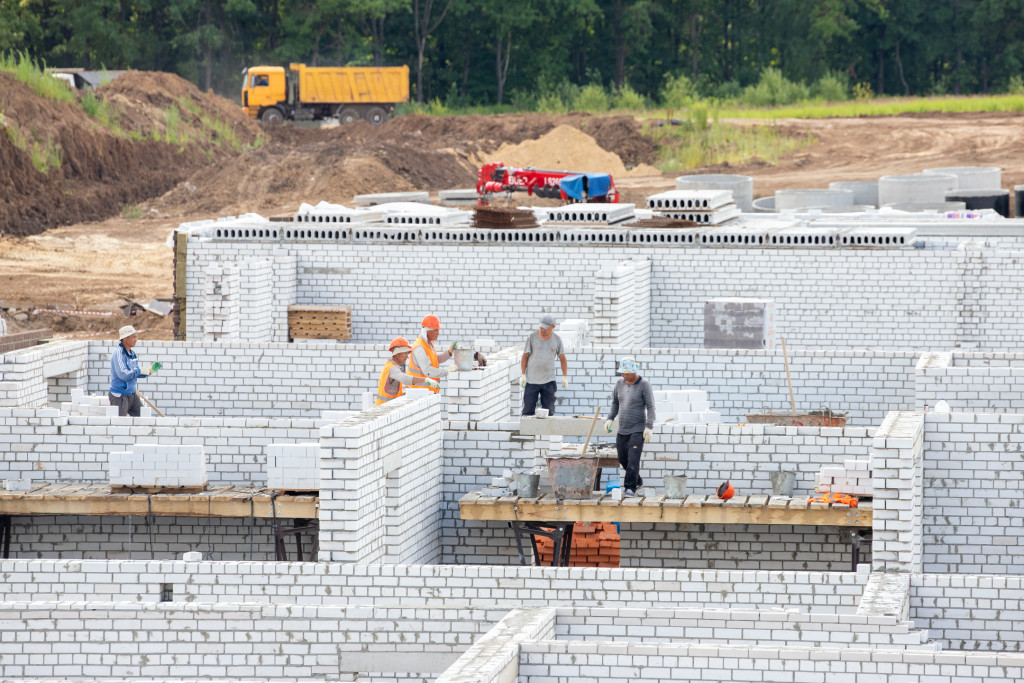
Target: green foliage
point(677, 92)
point(627, 98)
point(887, 107)
point(862, 91)
point(43, 151)
point(101, 110)
point(773, 89)
point(132, 211)
point(834, 86)
point(592, 98)
point(174, 132)
point(32, 74)
point(550, 103)
point(1015, 86)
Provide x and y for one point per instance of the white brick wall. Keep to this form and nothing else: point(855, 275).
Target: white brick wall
point(165, 465)
point(479, 395)
point(970, 612)
point(973, 519)
point(622, 304)
point(897, 455)
point(293, 467)
point(971, 382)
point(380, 484)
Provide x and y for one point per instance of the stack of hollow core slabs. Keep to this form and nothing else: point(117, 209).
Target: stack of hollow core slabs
point(495, 217)
point(703, 207)
point(590, 214)
point(854, 478)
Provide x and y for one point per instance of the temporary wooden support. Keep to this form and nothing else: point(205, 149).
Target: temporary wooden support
point(320, 322)
point(696, 509)
point(99, 499)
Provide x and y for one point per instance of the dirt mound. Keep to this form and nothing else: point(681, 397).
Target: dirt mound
point(144, 98)
point(564, 148)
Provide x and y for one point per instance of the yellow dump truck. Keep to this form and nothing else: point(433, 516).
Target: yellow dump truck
point(311, 93)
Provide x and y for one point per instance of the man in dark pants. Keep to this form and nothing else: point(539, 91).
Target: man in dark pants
point(124, 374)
point(538, 367)
point(633, 403)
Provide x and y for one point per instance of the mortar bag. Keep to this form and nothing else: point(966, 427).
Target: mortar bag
point(725, 491)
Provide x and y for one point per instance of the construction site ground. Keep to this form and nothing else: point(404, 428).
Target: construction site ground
point(95, 232)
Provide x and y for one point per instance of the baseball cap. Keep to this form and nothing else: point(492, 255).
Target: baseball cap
point(126, 331)
point(547, 320)
point(628, 365)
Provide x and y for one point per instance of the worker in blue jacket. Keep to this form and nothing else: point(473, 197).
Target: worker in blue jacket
point(124, 374)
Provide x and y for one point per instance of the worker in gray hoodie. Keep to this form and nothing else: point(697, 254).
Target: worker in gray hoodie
point(633, 404)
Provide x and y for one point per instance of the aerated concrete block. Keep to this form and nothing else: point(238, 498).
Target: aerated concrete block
point(738, 323)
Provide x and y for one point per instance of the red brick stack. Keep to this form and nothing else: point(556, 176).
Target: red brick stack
point(594, 544)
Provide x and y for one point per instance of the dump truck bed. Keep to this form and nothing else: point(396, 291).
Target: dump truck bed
point(352, 84)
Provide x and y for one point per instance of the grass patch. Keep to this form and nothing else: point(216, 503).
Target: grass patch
point(702, 140)
point(32, 74)
point(175, 130)
point(882, 107)
point(132, 211)
point(102, 111)
point(44, 152)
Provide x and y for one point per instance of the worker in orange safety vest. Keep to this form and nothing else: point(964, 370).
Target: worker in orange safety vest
point(426, 361)
point(393, 377)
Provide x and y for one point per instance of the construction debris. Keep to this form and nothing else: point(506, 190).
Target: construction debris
point(503, 218)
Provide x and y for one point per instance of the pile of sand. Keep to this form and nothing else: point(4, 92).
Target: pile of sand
point(566, 148)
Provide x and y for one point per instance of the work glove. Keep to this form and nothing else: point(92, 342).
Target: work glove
point(143, 370)
point(565, 382)
point(647, 433)
point(608, 424)
point(522, 382)
point(432, 384)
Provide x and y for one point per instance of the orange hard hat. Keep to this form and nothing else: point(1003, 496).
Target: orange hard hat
point(431, 322)
point(399, 345)
point(725, 491)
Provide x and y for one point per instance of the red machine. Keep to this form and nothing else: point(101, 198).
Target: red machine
point(569, 186)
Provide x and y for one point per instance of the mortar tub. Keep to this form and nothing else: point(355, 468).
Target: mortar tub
point(742, 186)
point(798, 200)
point(572, 477)
point(675, 487)
point(464, 358)
point(812, 418)
point(915, 187)
point(864, 191)
point(971, 177)
point(975, 200)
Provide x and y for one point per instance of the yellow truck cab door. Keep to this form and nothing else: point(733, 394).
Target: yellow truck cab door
point(263, 89)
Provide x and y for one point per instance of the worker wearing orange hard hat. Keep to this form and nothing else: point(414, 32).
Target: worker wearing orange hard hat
point(393, 377)
point(426, 361)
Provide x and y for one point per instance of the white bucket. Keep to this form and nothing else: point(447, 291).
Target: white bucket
point(464, 358)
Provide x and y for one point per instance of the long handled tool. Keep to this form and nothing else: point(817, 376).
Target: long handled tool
point(593, 424)
point(143, 397)
point(785, 359)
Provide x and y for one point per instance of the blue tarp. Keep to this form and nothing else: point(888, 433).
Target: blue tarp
point(597, 185)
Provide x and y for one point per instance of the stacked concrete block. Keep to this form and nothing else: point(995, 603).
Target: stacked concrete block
point(739, 323)
point(853, 477)
point(622, 304)
point(256, 301)
point(380, 483)
point(158, 465)
point(95, 404)
point(17, 484)
point(221, 301)
point(705, 207)
point(574, 333)
point(897, 456)
point(684, 406)
point(28, 375)
point(325, 212)
point(479, 395)
point(293, 466)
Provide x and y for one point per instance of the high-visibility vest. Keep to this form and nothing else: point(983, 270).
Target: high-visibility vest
point(382, 384)
point(414, 369)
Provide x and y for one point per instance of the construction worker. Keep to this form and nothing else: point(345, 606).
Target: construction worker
point(633, 403)
point(538, 367)
point(125, 372)
point(393, 377)
point(426, 361)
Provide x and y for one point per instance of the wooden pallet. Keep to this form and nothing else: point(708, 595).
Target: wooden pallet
point(120, 488)
point(320, 322)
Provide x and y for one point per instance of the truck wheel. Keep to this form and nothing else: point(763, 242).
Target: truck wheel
point(376, 115)
point(273, 116)
point(347, 114)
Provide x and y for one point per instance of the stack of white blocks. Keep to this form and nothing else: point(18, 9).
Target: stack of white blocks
point(166, 465)
point(854, 477)
point(686, 406)
point(221, 314)
point(82, 403)
point(574, 333)
point(17, 484)
point(293, 466)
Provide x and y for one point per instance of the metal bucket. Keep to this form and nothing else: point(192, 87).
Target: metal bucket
point(464, 358)
point(526, 485)
point(675, 487)
point(782, 483)
point(572, 477)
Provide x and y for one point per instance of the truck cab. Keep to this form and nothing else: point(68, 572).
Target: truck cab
point(263, 88)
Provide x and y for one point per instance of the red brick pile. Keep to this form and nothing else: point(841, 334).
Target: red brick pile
point(594, 544)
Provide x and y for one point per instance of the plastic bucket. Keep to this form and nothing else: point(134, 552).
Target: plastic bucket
point(675, 487)
point(464, 358)
point(782, 483)
point(527, 484)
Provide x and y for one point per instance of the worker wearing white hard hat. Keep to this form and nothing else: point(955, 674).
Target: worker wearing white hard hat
point(393, 378)
point(125, 371)
point(633, 404)
point(538, 367)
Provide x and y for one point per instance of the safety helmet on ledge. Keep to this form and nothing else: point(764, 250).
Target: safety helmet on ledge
point(725, 491)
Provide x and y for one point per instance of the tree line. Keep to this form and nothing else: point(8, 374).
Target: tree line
point(486, 52)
